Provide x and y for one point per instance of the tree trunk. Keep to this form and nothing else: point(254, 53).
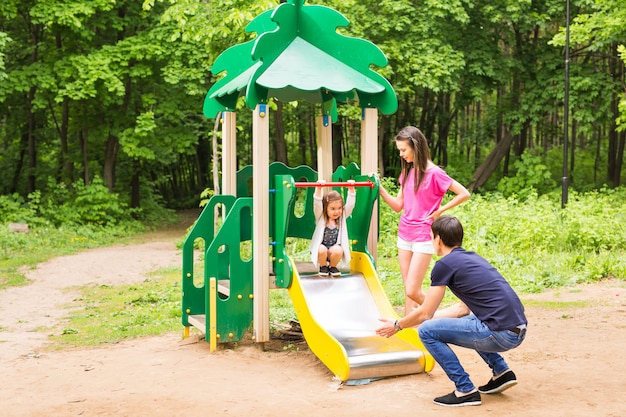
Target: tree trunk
point(66, 163)
point(619, 160)
point(572, 153)
point(110, 157)
point(302, 144)
point(280, 146)
point(446, 116)
point(477, 135)
point(82, 138)
point(135, 194)
point(32, 149)
point(312, 140)
point(19, 163)
point(67, 174)
point(615, 155)
point(598, 156)
point(490, 163)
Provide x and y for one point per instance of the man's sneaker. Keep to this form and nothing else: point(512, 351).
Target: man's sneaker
point(504, 381)
point(451, 400)
point(324, 271)
point(334, 271)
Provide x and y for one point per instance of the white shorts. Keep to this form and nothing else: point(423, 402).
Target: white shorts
point(416, 247)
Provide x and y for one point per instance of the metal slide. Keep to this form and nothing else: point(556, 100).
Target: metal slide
point(339, 316)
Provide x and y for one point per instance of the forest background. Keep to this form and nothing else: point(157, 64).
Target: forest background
point(109, 93)
point(102, 131)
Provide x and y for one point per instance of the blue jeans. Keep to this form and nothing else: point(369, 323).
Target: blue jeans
point(471, 333)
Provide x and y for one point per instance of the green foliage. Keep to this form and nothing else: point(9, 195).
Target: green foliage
point(538, 245)
point(531, 175)
point(4, 39)
point(534, 242)
point(91, 204)
point(388, 222)
point(57, 208)
point(130, 77)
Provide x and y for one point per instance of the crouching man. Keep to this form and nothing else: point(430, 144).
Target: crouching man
point(488, 319)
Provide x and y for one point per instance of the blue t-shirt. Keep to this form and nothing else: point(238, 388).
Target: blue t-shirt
point(481, 287)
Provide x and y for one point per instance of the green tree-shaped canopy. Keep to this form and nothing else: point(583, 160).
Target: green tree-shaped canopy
point(298, 55)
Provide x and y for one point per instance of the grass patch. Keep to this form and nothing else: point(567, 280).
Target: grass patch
point(281, 307)
point(108, 314)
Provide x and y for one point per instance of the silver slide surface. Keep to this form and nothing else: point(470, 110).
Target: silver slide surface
point(344, 311)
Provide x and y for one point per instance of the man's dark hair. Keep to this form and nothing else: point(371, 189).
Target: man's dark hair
point(449, 229)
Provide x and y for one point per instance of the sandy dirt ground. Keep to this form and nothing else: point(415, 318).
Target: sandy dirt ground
point(571, 364)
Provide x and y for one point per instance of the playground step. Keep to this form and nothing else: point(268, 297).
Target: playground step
point(223, 287)
point(198, 321)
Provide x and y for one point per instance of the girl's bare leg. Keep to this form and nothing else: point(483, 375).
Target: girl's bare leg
point(322, 256)
point(417, 271)
point(335, 253)
point(413, 267)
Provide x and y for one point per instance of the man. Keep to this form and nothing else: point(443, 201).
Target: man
point(489, 317)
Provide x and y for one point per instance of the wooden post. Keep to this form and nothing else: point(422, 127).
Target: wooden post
point(324, 148)
point(369, 164)
point(229, 153)
point(260, 226)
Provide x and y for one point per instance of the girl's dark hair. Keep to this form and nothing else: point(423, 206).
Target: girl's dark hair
point(418, 143)
point(331, 196)
point(449, 229)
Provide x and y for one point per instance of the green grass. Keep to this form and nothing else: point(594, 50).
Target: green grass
point(107, 314)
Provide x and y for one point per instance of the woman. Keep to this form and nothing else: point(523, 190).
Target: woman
point(422, 188)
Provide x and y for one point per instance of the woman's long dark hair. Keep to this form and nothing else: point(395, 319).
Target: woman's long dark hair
point(418, 143)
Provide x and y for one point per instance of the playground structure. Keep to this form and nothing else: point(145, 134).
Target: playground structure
point(296, 55)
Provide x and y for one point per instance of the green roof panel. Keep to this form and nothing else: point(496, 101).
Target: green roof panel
point(298, 55)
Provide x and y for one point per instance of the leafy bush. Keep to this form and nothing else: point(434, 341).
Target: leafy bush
point(82, 205)
point(531, 174)
point(94, 204)
point(533, 241)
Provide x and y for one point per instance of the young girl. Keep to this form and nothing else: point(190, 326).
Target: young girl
point(422, 188)
point(330, 244)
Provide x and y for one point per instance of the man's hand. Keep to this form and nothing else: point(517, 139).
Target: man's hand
point(387, 329)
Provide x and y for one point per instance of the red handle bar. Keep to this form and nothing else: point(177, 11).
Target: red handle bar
point(335, 184)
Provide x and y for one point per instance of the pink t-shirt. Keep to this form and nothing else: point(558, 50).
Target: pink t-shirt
point(413, 225)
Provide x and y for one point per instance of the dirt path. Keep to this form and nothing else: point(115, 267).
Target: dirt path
point(571, 363)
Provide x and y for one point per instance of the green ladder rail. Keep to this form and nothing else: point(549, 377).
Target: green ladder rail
point(225, 261)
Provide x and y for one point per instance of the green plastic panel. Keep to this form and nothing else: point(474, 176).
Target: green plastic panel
point(203, 231)
point(228, 246)
point(235, 312)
